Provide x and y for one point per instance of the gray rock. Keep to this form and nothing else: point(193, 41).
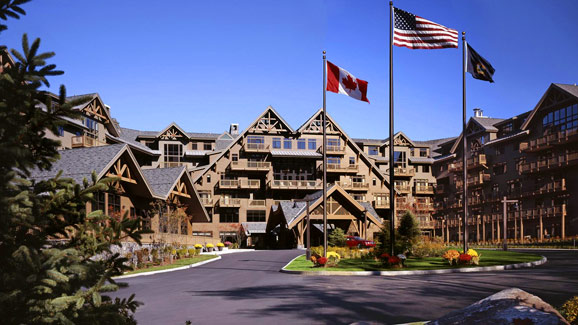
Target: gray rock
point(510, 306)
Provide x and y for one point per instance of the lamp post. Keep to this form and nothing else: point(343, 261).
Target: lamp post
point(505, 201)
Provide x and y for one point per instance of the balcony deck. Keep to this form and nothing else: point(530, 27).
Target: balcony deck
point(295, 185)
point(245, 165)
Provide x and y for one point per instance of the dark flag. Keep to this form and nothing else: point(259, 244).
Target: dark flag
point(479, 67)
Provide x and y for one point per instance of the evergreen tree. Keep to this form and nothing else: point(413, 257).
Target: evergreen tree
point(409, 232)
point(337, 238)
point(44, 280)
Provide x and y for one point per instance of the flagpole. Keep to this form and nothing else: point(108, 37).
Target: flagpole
point(324, 158)
point(391, 151)
point(464, 160)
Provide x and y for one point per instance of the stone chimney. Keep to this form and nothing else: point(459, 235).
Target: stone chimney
point(478, 112)
point(234, 129)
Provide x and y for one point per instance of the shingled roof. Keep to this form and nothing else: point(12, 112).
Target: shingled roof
point(79, 164)
point(163, 180)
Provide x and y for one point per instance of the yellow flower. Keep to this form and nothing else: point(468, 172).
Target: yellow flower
point(333, 254)
point(210, 246)
point(472, 252)
point(220, 245)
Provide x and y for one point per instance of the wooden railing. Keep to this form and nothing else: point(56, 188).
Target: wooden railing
point(207, 201)
point(249, 183)
point(257, 204)
point(382, 203)
point(295, 185)
point(228, 183)
point(550, 140)
point(251, 165)
point(560, 160)
point(477, 161)
point(83, 141)
point(339, 168)
point(256, 147)
point(404, 172)
point(229, 202)
point(352, 185)
point(334, 149)
point(424, 189)
point(403, 188)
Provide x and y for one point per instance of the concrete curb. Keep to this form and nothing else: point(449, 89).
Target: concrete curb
point(418, 272)
point(168, 270)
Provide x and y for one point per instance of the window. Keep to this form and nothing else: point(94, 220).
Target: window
point(374, 182)
point(113, 204)
point(194, 146)
point(334, 160)
point(208, 179)
point(399, 159)
point(507, 128)
point(256, 216)
point(235, 157)
point(312, 144)
point(301, 144)
point(229, 216)
point(286, 143)
point(423, 152)
point(351, 161)
point(425, 168)
point(562, 119)
point(91, 124)
point(207, 146)
point(333, 144)
point(373, 150)
point(61, 131)
point(173, 154)
point(276, 143)
point(99, 203)
point(203, 233)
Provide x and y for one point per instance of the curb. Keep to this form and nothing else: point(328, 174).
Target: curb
point(418, 272)
point(168, 270)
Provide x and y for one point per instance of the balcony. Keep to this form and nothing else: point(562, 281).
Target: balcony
point(405, 189)
point(381, 202)
point(426, 224)
point(536, 213)
point(477, 161)
point(545, 164)
point(480, 179)
point(424, 189)
point(455, 167)
point(228, 183)
point(227, 202)
point(334, 149)
point(246, 165)
point(424, 207)
point(256, 147)
point(295, 185)
point(354, 186)
point(249, 183)
point(207, 201)
point(550, 140)
point(555, 186)
point(257, 204)
point(339, 168)
point(404, 172)
point(84, 141)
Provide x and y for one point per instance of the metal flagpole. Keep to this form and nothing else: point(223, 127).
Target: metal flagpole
point(465, 192)
point(391, 151)
point(324, 158)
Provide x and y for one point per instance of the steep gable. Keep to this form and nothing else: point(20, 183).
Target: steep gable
point(269, 122)
point(172, 132)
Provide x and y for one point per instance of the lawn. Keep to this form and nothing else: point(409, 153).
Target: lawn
point(176, 263)
point(488, 258)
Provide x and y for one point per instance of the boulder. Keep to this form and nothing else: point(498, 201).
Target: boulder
point(510, 306)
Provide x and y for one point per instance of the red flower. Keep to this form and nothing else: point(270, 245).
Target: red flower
point(322, 260)
point(393, 260)
point(465, 258)
point(385, 256)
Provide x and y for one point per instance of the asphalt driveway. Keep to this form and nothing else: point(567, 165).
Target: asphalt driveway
point(247, 288)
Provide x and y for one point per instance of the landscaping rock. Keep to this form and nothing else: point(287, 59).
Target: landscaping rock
point(510, 306)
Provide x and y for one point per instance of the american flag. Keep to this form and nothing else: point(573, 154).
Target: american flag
point(414, 32)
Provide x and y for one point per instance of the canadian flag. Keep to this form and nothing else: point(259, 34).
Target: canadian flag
point(342, 82)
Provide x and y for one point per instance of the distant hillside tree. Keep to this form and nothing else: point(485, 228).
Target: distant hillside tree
point(44, 280)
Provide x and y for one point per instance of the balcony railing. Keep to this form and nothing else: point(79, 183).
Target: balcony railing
point(426, 224)
point(455, 167)
point(207, 201)
point(228, 183)
point(251, 165)
point(546, 212)
point(83, 141)
point(334, 149)
point(294, 185)
point(477, 161)
point(227, 202)
point(381, 203)
point(349, 185)
point(424, 189)
point(556, 161)
point(256, 147)
point(404, 172)
point(339, 168)
point(249, 183)
point(550, 140)
point(403, 188)
point(257, 204)
point(424, 206)
point(480, 179)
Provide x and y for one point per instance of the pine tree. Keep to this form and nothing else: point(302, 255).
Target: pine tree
point(42, 279)
point(409, 232)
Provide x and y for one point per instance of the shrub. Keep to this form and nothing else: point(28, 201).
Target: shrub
point(451, 256)
point(337, 238)
point(409, 232)
point(570, 310)
point(429, 247)
point(181, 253)
point(192, 252)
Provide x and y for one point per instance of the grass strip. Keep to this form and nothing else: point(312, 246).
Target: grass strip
point(488, 258)
point(177, 263)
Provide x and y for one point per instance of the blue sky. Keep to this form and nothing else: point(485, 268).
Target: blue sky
point(206, 64)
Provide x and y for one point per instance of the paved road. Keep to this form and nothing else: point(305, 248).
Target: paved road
point(247, 288)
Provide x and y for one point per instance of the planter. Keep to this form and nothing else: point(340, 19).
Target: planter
point(220, 248)
point(209, 249)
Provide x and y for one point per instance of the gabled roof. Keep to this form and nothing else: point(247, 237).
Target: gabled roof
point(397, 135)
point(486, 123)
point(175, 125)
point(128, 136)
point(571, 90)
point(164, 180)
point(95, 96)
point(296, 211)
point(80, 163)
point(272, 110)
